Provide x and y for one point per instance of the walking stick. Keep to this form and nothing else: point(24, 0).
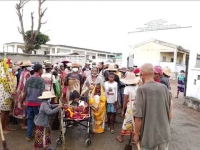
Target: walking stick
point(64, 147)
point(133, 122)
point(3, 139)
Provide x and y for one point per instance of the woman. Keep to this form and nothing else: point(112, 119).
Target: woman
point(91, 81)
point(20, 104)
point(130, 90)
point(102, 72)
point(42, 127)
point(73, 81)
point(62, 74)
point(98, 103)
point(181, 83)
point(8, 84)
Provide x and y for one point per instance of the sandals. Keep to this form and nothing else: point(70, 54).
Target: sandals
point(108, 129)
point(112, 131)
point(119, 139)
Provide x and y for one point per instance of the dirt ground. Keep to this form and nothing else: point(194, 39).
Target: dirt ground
point(185, 128)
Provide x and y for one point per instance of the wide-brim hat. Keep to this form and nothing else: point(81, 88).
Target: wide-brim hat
point(130, 79)
point(76, 65)
point(124, 69)
point(26, 63)
point(167, 71)
point(111, 68)
point(46, 95)
point(48, 66)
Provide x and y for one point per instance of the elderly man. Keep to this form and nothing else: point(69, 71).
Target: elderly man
point(152, 110)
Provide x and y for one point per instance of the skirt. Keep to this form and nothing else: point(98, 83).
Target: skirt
point(42, 137)
point(127, 124)
point(181, 86)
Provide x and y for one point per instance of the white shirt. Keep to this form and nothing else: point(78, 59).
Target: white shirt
point(111, 91)
point(49, 79)
point(130, 90)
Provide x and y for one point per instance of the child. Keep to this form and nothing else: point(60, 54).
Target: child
point(42, 132)
point(111, 94)
point(78, 105)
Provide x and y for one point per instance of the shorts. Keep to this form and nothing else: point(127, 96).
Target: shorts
point(110, 108)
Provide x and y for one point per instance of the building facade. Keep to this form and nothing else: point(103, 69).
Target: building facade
point(61, 51)
point(159, 53)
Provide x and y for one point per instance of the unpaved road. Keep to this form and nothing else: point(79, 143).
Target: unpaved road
point(185, 128)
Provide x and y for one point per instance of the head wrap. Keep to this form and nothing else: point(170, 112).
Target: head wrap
point(158, 70)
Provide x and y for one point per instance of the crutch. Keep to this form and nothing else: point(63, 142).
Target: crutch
point(64, 147)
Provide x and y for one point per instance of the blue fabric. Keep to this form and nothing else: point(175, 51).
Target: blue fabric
point(110, 108)
point(31, 112)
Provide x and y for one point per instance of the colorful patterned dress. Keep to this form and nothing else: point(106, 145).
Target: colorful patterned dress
point(19, 111)
point(8, 84)
point(127, 124)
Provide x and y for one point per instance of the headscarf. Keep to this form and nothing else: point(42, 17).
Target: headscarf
point(158, 70)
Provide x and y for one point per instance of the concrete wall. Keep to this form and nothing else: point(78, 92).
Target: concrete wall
point(32, 57)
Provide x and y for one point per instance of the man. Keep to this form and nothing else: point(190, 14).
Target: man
point(34, 87)
point(152, 110)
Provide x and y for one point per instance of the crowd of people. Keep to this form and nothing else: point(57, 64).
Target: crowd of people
point(34, 92)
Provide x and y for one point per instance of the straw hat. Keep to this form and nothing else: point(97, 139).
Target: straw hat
point(26, 63)
point(111, 68)
point(46, 95)
point(75, 65)
point(130, 79)
point(167, 71)
point(123, 69)
point(48, 66)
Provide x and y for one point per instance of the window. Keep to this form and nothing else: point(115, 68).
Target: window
point(172, 60)
point(198, 61)
point(198, 77)
point(93, 57)
point(87, 56)
point(46, 52)
point(164, 59)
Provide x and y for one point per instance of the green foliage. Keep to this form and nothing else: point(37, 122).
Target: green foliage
point(40, 39)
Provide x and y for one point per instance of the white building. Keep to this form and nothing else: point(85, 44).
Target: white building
point(60, 50)
point(159, 53)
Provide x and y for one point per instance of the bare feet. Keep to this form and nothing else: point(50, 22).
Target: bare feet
point(11, 129)
point(6, 131)
point(24, 127)
point(119, 139)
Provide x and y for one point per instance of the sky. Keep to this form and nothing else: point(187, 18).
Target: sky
point(104, 25)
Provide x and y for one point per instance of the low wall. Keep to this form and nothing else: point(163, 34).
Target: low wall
point(192, 103)
point(32, 57)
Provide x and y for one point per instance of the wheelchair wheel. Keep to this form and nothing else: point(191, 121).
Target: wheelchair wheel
point(88, 142)
point(59, 142)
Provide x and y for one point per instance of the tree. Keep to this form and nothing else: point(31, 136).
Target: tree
point(32, 38)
